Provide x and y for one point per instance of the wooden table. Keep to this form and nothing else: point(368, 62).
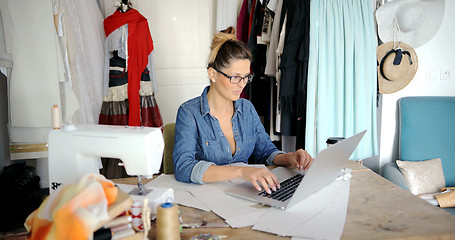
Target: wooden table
point(377, 209)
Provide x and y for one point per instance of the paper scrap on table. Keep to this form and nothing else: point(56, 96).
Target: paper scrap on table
point(321, 215)
point(247, 219)
point(187, 199)
point(168, 180)
point(226, 206)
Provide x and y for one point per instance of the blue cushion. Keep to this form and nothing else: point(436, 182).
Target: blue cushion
point(427, 131)
point(450, 210)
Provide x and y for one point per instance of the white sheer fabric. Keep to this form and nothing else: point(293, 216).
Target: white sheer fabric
point(83, 29)
point(118, 40)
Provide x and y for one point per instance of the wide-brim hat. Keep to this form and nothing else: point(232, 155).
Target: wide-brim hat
point(397, 66)
point(414, 22)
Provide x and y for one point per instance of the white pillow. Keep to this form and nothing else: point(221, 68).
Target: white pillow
point(423, 176)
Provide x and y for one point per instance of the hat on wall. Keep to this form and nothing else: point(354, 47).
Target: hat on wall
point(414, 22)
point(397, 66)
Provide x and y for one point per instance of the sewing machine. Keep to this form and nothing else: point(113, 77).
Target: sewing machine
point(75, 151)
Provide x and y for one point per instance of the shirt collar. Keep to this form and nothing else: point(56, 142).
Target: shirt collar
point(205, 109)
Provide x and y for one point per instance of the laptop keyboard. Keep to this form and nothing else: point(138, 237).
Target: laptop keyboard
point(287, 189)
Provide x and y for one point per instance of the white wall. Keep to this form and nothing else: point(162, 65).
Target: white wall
point(435, 57)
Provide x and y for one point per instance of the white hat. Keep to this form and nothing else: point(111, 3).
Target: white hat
point(414, 22)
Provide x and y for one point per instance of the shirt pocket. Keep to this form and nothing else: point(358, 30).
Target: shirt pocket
point(209, 150)
point(248, 146)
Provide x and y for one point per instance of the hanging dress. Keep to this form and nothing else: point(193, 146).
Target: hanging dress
point(129, 80)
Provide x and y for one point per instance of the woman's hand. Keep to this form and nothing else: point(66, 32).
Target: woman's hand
point(266, 178)
point(300, 159)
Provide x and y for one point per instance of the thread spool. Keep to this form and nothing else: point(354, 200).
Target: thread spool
point(167, 221)
point(136, 214)
point(56, 117)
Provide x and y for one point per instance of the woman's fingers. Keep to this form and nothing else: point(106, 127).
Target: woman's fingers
point(304, 159)
point(308, 160)
point(265, 185)
point(261, 177)
point(256, 185)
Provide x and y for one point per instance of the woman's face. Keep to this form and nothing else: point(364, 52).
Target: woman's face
point(222, 84)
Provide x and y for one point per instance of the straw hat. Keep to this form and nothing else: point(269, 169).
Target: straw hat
point(397, 66)
point(414, 22)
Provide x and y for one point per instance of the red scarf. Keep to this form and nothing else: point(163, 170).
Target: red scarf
point(140, 45)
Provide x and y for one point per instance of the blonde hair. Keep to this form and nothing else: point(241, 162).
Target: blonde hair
point(225, 48)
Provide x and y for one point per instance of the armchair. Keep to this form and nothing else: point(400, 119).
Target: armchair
point(426, 131)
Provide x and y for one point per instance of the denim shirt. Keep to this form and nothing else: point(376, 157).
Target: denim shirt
point(200, 142)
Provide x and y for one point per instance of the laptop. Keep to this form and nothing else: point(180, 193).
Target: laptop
point(296, 186)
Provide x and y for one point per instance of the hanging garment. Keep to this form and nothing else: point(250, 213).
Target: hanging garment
point(83, 36)
point(270, 69)
point(294, 67)
point(342, 75)
point(140, 45)
point(114, 110)
point(261, 84)
point(242, 23)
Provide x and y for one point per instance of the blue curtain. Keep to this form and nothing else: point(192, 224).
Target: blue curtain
point(342, 75)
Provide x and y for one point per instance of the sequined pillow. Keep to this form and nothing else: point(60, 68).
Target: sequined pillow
point(423, 176)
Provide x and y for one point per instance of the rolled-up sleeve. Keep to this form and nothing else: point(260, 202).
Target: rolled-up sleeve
point(269, 161)
point(199, 170)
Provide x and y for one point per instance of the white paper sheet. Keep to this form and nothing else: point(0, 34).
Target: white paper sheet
point(187, 199)
point(168, 180)
point(236, 211)
point(246, 219)
point(321, 215)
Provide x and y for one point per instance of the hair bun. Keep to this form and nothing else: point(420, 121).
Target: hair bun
point(221, 37)
point(229, 30)
point(232, 48)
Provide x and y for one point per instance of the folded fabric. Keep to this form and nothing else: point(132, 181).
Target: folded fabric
point(73, 211)
point(447, 197)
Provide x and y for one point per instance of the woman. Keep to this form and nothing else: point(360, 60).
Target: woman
point(218, 128)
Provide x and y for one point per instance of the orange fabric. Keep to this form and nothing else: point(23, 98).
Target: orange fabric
point(110, 190)
point(73, 211)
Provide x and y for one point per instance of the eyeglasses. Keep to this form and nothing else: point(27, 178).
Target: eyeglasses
point(236, 79)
